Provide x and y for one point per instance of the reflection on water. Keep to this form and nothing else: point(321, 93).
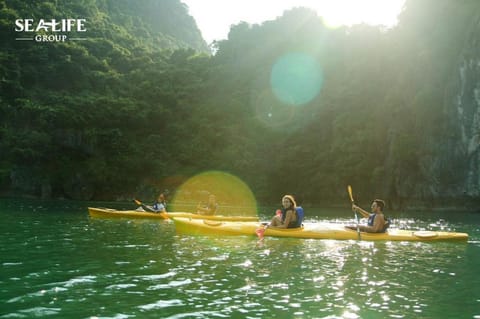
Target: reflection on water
point(62, 265)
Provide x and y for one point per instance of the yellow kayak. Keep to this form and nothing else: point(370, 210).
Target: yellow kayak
point(309, 230)
point(113, 213)
point(212, 217)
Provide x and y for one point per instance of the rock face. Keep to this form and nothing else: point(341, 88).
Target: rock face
point(447, 171)
point(463, 108)
point(78, 188)
point(457, 161)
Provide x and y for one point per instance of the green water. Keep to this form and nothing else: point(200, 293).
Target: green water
point(56, 262)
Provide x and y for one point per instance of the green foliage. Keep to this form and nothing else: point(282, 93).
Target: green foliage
point(140, 101)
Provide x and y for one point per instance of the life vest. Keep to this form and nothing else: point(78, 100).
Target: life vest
point(371, 220)
point(159, 206)
point(300, 215)
point(212, 208)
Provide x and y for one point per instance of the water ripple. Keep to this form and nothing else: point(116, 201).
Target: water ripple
point(171, 284)
point(162, 304)
point(80, 268)
point(40, 311)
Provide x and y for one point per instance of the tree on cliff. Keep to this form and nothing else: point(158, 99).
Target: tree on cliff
point(138, 101)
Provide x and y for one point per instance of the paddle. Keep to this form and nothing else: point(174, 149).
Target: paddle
point(147, 208)
point(349, 189)
point(261, 231)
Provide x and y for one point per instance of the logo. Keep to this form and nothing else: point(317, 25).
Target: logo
point(49, 30)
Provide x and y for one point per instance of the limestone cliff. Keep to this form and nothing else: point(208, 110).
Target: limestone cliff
point(447, 171)
point(463, 106)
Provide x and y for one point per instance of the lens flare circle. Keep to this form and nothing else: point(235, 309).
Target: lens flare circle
point(296, 78)
point(233, 196)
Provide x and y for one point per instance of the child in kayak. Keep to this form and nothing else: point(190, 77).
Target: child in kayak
point(159, 206)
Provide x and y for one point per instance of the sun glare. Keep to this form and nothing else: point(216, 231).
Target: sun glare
point(214, 17)
point(233, 196)
point(350, 12)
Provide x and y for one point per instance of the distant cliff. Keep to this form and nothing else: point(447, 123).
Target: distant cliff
point(166, 23)
point(461, 156)
point(446, 168)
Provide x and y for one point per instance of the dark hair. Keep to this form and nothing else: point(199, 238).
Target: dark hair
point(380, 203)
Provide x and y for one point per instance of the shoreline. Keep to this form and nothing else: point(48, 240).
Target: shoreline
point(416, 206)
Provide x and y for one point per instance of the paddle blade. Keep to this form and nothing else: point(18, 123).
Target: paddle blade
point(260, 232)
point(139, 203)
point(349, 189)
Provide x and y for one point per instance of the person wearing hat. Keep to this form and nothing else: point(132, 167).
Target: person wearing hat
point(288, 216)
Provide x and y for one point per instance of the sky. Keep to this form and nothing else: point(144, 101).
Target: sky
point(214, 17)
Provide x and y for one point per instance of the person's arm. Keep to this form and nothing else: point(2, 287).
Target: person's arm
point(200, 209)
point(288, 219)
point(364, 213)
point(206, 210)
